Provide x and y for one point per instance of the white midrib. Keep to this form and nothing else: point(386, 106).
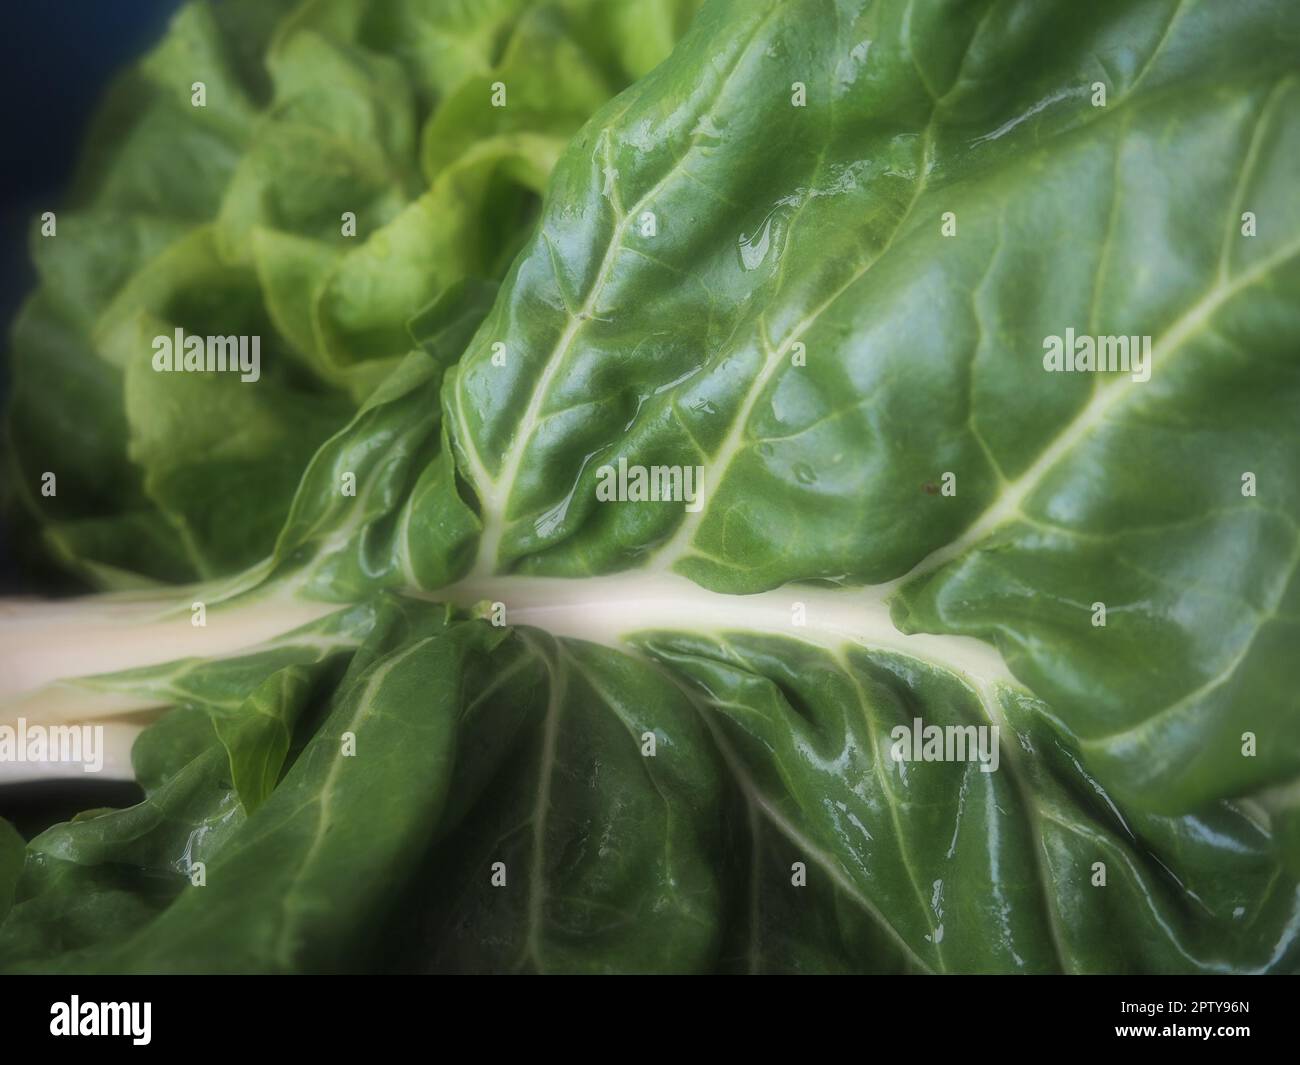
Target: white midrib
point(44, 642)
point(615, 609)
point(611, 610)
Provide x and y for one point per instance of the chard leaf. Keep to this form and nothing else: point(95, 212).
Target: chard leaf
point(290, 873)
point(228, 219)
point(555, 86)
point(972, 870)
point(340, 546)
point(102, 513)
point(88, 884)
point(801, 328)
point(587, 855)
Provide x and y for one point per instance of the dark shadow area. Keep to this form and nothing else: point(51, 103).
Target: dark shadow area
point(35, 806)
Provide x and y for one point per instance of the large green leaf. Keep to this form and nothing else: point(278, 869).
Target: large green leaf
point(800, 327)
point(586, 855)
point(978, 871)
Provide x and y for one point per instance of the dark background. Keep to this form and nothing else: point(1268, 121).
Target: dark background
point(56, 57)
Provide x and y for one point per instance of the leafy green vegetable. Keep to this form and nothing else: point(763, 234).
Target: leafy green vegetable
point(954, 664)
point(232, 218)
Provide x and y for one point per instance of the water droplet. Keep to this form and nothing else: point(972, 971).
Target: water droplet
point(804, 474)
point(706, 127)
point(754, 246)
